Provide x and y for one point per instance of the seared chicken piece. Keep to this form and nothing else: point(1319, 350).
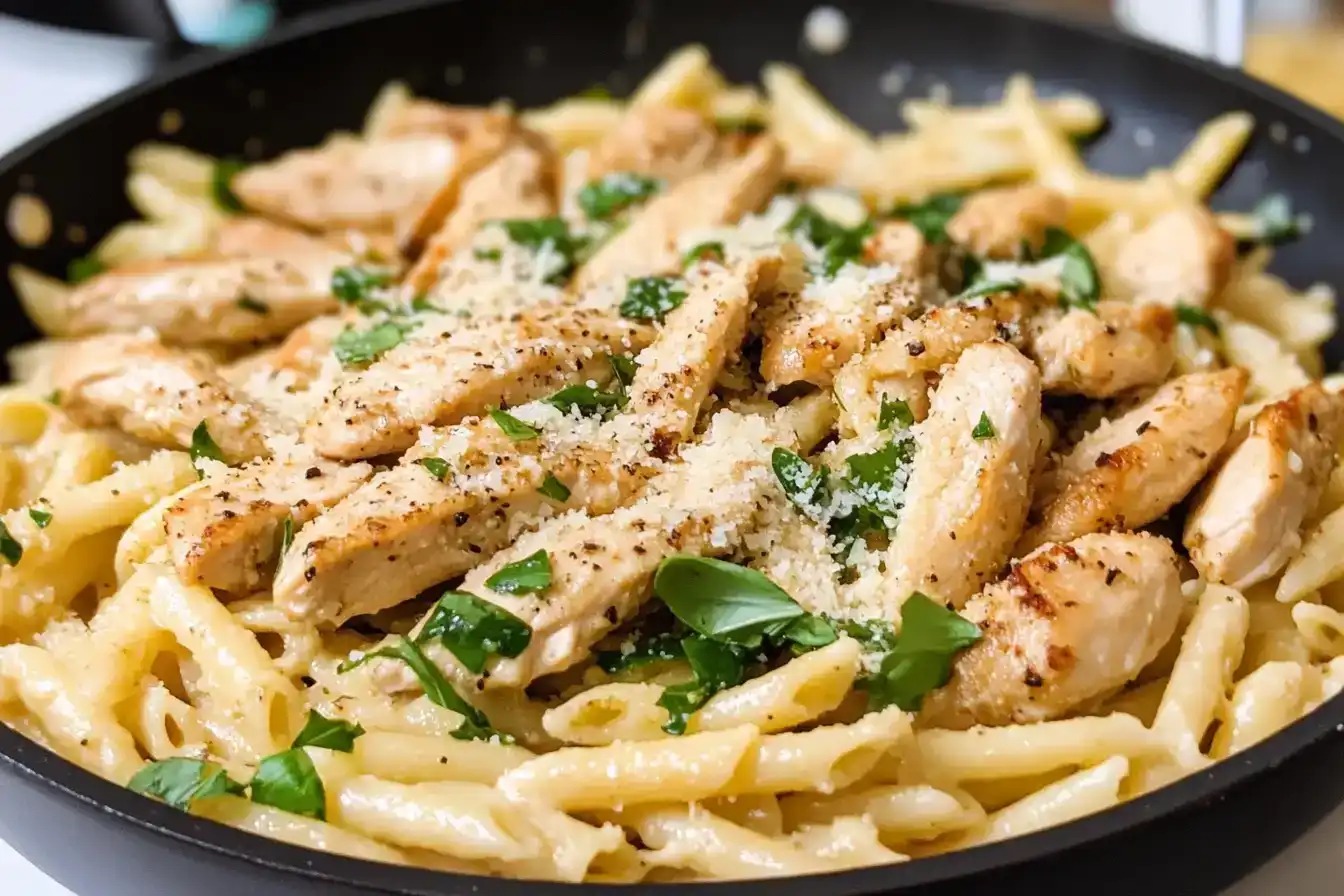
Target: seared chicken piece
point(810, 334)
point(349, 183)
point(995, 223)
point(441, 380)
point(519, 183)
point(920, 347)
point(1131, 470)
point(969, 491)
point(244, 236)
point(422, 117)
point(1068, 626)
point(228, 536)
point(658, 141)
point(1100, 354)
point(1247, 520)
point(901, 244)
point(1182, 256)
point(713, 198)
point(300, 358)
point(208, 301)
point(159, 395)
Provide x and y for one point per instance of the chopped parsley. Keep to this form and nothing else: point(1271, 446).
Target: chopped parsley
point(894, 412)
point(286, 535)
point(708, 251)
point(329, 734)
point(247, 303)
point(289, 781)
point(1079, 284)
point(615, 192)
point(203, 445)
point(356, 348)
point(437, 467)
point(588, 399)
point(549, 238)
point(475, 725)
point(651, 298)
point(921, 660)
point(221, 184)
point(930, 217)
point(554, 489)
point(487, 254)
point(82, 269)
point(837, 245)
point(40, 518)
point(653, 649)
point(511, 426)
point(1193, 316)
point(180, 782)
point(10, 548)
point(422, 305)
point(354, 285)
point(474, 630)
point(54, 397)
point(530, 575)
point(984, 428)
point(715, 665)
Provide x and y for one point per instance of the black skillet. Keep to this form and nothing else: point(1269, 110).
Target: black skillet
point(1197, 836)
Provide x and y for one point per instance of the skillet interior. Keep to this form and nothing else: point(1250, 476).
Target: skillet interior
point(293, 92)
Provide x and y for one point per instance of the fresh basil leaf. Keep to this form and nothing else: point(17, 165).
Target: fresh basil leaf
point(179, 782)
point(475, 630)
point(651, 298)
point(803, 484)
point(543, 235)
point(1079, 283)
point(611, 193)
point(221, 184)
point(837, 244)
point(289, 781)
point(894, 411)
point(874, 635)
point(40, 518)
point(437, 467)
point(286, 535)
point(988, 288)
point(247, 303)
point(586, 398)
point(10, 548)
point(554, 489)
point(1196, 317)
point(721, 600)
point(354, 285)
point(715, 665)
point(527, 576)
point(203, 446)
point(475, 726)
point(54, 397)
point(808, 633)
point(1274, 220)
point(329, 734)
point(354, 348)
point(82, 269)
point(708, 251)
point(657, 648)
point(877, 478)
point(748, 126)
point(984, 428)
point(930, 638)
point(515, 429)
point(623, 369)
point(930, 217)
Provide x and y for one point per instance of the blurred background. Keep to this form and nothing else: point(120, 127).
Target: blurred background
point(57, 56)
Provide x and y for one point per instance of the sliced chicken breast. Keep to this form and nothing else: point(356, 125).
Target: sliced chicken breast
point(1183, 256)
point(713, 198)
point(997, 222)
point(1120, 346)
point(968, 494)
point(902, 245)
point(208, 301)
point(159, 395)
point(1068, 626)
point(1246, 524)
point(441, 378)
point(229, 536)
point(1133, 469)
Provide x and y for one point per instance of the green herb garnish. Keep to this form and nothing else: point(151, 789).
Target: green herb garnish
point(511, 426)
point(474, 630)
point(289, 781)
point(354, 348)
point(1193, 316)
point(930, 638)
point(707, 251)
point(40, 518)
point(180, 782)
point(1275, 221)
point(527, 576)
point(247, 303)
point(203, 446)
point(1079, 284)
point(82, 269)
point(930, 217)
point(554, 489)
point(984, 428)
point(838, 245)
point(651, 298)
point(437, 467)
point(10, 548)
point(611, 193)
point(221, 184)
point(354, 285)
point(546, 236)
point(715, 665)
point(984, 288)
point(894, 411)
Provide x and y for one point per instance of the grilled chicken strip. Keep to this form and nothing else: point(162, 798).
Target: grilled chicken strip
point(711, 199)
point(519, 183)
point(1183, 256)
point(158, 394)
point(658, 141)
point(1247, 520)
point(1131, 470)
point(996, 223)
point(228, 536)
point(244, 236)
point(903, 245)
point(208, 301)
point(349, 183)
point(441, 379)
point(1100, 354)
point(810, 334)
point(1068, 626)
point(968, 494)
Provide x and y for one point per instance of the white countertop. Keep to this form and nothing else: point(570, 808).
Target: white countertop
point(39, 86)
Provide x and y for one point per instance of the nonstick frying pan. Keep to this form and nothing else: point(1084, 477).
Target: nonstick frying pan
point(1197, 836)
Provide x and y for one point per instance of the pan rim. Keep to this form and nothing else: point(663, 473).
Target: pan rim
point(71, 782)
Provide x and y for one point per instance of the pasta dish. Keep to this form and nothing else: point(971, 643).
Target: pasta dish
point(692, 486)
